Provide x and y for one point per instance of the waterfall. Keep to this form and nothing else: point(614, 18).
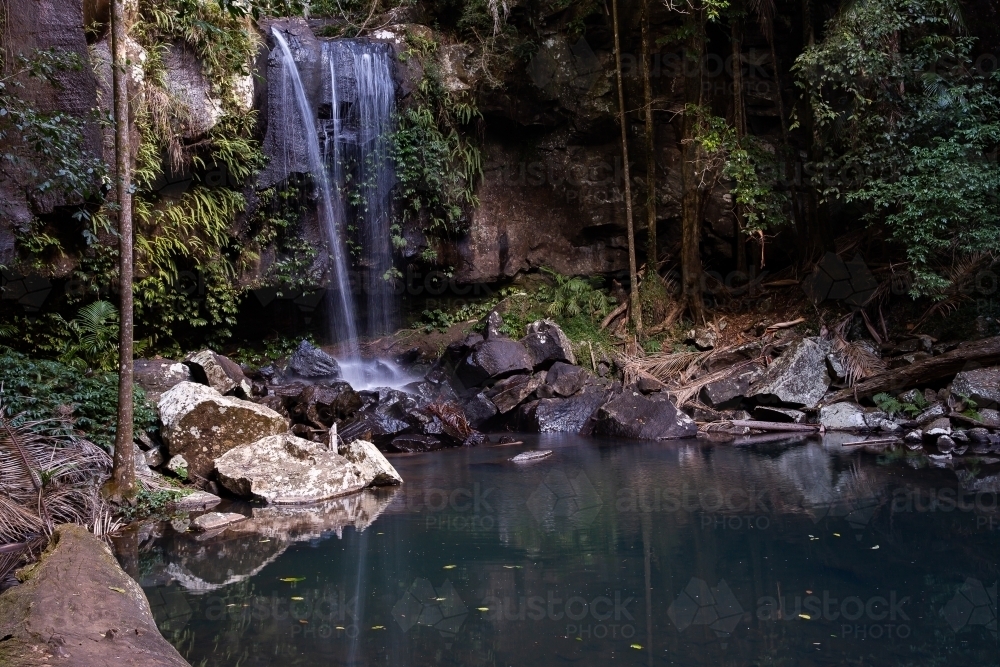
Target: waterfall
point(342, 316)
point(350, 162)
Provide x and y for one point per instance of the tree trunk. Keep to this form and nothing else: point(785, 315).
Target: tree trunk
point(740, 124)
point(647, 94)
point(633, 277)
point(692, 173)
point(123, 476)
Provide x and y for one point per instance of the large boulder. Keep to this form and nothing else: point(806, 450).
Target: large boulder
point(479, 409)
point(220, 373)
point(157, 376)
point(798, 376)
point(308, 361)
point(562, 415)
point(639, 417)
point(190, 91)
point(842, 417)
point(982, 385)
point(546, 343)
point(562, 379)
point(201, 424)
point(733, 386)
point(77, 607)
point(373, 467)
point(492, 360)
point(321, 405)
point(286, 470)
point(510, 392)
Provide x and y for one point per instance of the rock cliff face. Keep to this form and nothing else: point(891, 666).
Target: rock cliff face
point(41, 25)
point(551, 193)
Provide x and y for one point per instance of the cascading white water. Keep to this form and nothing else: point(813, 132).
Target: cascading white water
point(343, 318)
point(359, 136)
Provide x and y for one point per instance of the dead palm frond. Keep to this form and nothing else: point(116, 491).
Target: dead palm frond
point(46, 478)
point(961, 276)
point(859, 361)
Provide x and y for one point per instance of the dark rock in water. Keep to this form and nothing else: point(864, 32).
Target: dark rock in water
point(546, 343)
point(372, 427)
point(945, 444)
point(493, 360)
point(432, 391)
point(220, 373)
point(71, 600)
point(157, 376)
point(932, 412)
point(561, 415)
point(414, 442)
point(632, 415)
point(322, 405)
point(309, 361)
point(510, 392)
point(478, 409)
point(978, 434)
point(565, 380)
point(475, 439)
point(453, 357)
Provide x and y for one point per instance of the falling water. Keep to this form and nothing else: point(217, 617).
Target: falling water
point(375, 111)
point(330, 209)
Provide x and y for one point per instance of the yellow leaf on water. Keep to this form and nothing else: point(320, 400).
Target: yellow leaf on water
point(637, 647)
point(303, 621)
point(298, 598)
point(482, 608)
point(805, 616)
point(378, 627)
point(450, 567)
point(117, 590)
point(292, 580)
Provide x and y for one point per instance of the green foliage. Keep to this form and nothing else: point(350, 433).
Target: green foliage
point(151, 503)
point(41, 389)
point(908, 125)
point(573, 296)
point(750, 168)
point(893, 406)
point(48, 146)
point(437, 163)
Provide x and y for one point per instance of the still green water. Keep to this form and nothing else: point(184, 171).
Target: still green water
point(605, 553)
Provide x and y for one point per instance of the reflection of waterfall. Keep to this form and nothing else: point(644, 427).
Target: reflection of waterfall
point(342, 317)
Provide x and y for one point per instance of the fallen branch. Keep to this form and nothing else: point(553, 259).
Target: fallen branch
point(613, 314)
point(785, 325)
point(985, 352)
point(775, 426)
point(876, 441)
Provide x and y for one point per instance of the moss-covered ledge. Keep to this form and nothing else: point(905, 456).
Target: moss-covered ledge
point(77, 607)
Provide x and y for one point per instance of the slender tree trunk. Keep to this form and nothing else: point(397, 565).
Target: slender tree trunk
point(633, 277)
point(123, 476)
point(692, 172)
point(740, 124)
point(647, 94)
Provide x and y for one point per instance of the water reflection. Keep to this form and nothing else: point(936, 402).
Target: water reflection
point(782, 552)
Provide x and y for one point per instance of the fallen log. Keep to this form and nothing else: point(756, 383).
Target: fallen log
point(985, 352)
point(776, 426)
point(876, 441)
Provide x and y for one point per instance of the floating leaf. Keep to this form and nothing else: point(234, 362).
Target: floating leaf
point(482, 608)
point(450, 567)
point(378, 627)
point(637, 647)
point(298, 599)
point(293, 580)
point(805, 616)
